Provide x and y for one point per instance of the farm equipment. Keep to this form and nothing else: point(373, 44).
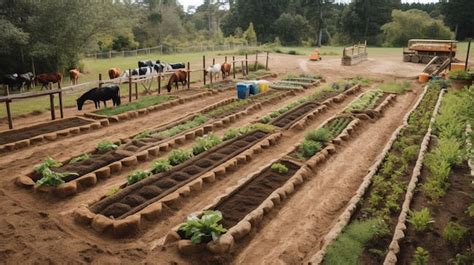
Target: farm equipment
point(315, 55)
point(424, 51)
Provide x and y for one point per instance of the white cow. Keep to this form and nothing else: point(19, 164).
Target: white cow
point(214, 70)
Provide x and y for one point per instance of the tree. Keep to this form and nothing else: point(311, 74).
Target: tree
point(250, 35)
point(459, 16)
point(413, 24)
point(291, 29)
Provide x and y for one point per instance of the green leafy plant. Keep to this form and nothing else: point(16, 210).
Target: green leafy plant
point(279, 168)
point(136, 176)
point(274, 114)
point(459, 75)
point(51, 178)
point(308, 148)
point(83, 157)
point(420, 219)
point(47, 163)
point(265, 119)
point(320, 135)
point(470, 210)
point(205, 143)
point(161, 165)
point(112, 191)
point(231, 133)
point(421, 256)
point(410, 152)
point(454, 233)
point(142, 135)
point(178, 156)
point(104, 146)
point(207, 225)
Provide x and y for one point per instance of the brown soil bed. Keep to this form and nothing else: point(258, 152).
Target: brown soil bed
point(451, 207)
point(248, 197)
point(287, 119)
point(370, 112)
point(39, 129)
point(96, 161)
point(139, 195)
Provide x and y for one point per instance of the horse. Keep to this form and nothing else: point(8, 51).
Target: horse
point(74, 75)
point(214, 70)
point(114, 73)
point(45, 79)
point(225, 69)
point(98, 94)
point(178, 76)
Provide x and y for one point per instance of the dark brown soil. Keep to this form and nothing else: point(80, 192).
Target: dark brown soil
point(326, 95)
point(252, 194)
point(43, 128)
point(96, 161)
point(290, 117)
point(157, 186)
point(452, 207)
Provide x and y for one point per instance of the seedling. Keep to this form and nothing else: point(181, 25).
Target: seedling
point(205, 143)
point(83, 157)
point(279, 168)
point(51, 178)
point(231, 133)
point(454, 233)
point(420, 219)
point(161, 165)
point(178, 156)
point(421, 256)
point(203, 229)
point(48, 163)
point(136, 176)
point(104, 146)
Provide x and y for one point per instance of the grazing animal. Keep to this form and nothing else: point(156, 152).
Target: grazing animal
point(26, 79)
point(225, 69)
point(18, 82)
point(74, 75)
point(178, 76)
point(140, 71)
point(114, 73)
point(214, 70)
point(99, 94)
point(45, 79)
point(177, 65)
point(145, 63)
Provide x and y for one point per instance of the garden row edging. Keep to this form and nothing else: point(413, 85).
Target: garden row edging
point(346, 215)
point(131, 224)
point(94, 125)
point(394, 247)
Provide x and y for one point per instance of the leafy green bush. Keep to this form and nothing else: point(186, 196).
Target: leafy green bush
point(83, 157)
point(421, 256)
point(279, 168)
point(265, 119)
point(196, 228)
point(410, 152)
point(454, 233)
point(459, 75)
point(47, 163)
point(142, 135)
point(51, 178)
point(450, 151)
point(274, 114)
point(308, 148)
point(178, 156)
point(136, 176)
point(205, 143)
point(420, 219)
point(161, 165)
point(320, 135)
point(230, 133)
point(104, 146)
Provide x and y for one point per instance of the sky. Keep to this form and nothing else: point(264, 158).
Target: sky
point(196, 3)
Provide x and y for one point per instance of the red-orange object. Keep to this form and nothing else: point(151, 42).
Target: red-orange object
point(315, 55)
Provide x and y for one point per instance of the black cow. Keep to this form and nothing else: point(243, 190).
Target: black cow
point(100, 94)
point(145, 63)
point(11, 80)
point(27, 79)
point(178, 65)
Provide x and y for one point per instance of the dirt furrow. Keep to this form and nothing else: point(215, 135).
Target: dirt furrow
point(289, 235)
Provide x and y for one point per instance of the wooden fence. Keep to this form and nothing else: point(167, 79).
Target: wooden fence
point(145, 81)
point(354, 54)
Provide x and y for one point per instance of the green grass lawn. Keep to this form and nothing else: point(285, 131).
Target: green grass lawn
point(135, 105)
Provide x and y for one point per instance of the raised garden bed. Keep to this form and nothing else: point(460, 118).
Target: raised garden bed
point(135, 105)
point(141, 194)
point(370, 103)
point(287, 119)
point(49, 131)
point(381, 204)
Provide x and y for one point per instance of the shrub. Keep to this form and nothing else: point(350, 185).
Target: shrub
point(279, 168)
point(450, 151)
point(205, 143)
point(308, 148)
point(161, 165)
point(292, 52)
point(421, 256)
point(104, 146)
point(136, 176)
point(459, 75)
point(274, 114)
point(265, 119)
point(142, 135)
point(454, 233)
point(438, 167)
point(83, 157)
point(420, 219)
point(410, 152)
point(178, 156)
point(196, 228)
point(230, 133)
point(320, 135)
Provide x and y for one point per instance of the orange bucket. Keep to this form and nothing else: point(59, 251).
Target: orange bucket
point(423, 78)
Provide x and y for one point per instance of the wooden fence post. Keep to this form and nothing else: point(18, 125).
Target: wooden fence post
point(61, 111)
point(225, 60)
point(204, 68)
point(9, 114)
point(233, 65)
point(51, 105)
point(129, 85)
point(136, 90)
point(189, 75)
point(266, 63)
point(100, 80)
point(246, 64)
point(256, 59)
point(159, 83)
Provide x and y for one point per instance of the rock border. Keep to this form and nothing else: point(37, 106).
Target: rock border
point(53, 136)
point(132, 224)
point(344, 219)
point(398, 234)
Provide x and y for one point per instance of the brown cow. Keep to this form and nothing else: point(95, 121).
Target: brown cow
point(225, 68)
point(178, 76)
point(45, 79)
point(74, 75)
point(114, 73)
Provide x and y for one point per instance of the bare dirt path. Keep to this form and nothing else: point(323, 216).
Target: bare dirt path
point(289, 235)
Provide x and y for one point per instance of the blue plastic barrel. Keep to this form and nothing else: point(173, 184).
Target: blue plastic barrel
point(254, 90)
point(243, 90)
